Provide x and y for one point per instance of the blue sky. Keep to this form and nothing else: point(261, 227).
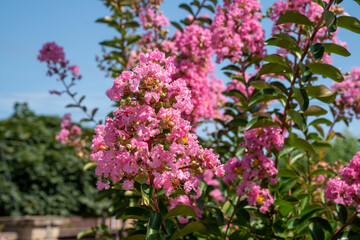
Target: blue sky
point(26, 25)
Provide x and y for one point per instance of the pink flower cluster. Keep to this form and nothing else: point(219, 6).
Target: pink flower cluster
point(51, 52)
point(69, 133)
point(150, 19)
point(54, 56)
point(255, 166)
point(347, 189)
point(147, 137)
point(348, 102)
point(195, 66)
point(237, 31)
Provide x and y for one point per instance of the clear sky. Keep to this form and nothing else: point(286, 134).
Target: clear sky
point(26, 25)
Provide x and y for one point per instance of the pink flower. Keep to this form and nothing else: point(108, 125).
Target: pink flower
point(51, 52)
point(216, 194)
point(237, 30)
point(347, 189)
point(74, 70)
point(148, 135)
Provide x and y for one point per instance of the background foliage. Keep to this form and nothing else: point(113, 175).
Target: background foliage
point(47, 177)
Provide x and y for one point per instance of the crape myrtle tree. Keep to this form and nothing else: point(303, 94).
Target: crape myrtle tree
point(261, 174)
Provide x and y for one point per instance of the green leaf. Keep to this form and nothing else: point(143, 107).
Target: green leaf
point(349, 23)
point(187, 8)
point(324, 224)
point(337, 49)
point(265, 98)
point(302, 98)
point(321, 121)
point(146, 192)
point(302, 144)
point(232, 67)
point(132, 38)
point(260, 84)
point(275, 58)
point(139, 213)
point(330, 21)
point(189, 228)
point(154, 226)
point(86, 233)
point(327, 71)
point(315, 111)
point(211, 8)
point(285, 207)
point(71, 105)
point(238, 122)
point(316, 232)
point(131, 25)
point(322, 172)
point(274, 68)
point(280, 86)
point(284, 172)
point(297, 118)
point(342, 213)
point(322, 144)
point(93, 112)
point(321, 93)
point(235, 93)
point(89, 165)
point(182, 210)
point(286, 43)
point(177, 25)
point(292, 16)
point(307, 74)
point(136, 237)
point(317, 50)
point(261, 122)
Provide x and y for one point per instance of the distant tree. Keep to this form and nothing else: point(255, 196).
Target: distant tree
point(343, 149)
point(39, 175)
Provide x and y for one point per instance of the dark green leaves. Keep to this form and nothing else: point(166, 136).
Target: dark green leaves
point(342, 213)
point(321, 93)
point(182, 210)
point(349, 23)
point(301, 144)
point(189, 228)
point(302, 98)
point(318, 51)
point(286, 42)
point(315, 111)
point(293, 16)
point(261, 122)
point(154, 226)
point(327, 71)
point(134, 213)
point(330, 21)
point(274, 68)
point(334, 48)
point(187, 8)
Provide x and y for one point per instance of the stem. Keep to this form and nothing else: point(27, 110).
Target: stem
point(333, 237)
point(231, 218)
point(198, 11)
point(331, 127)
point(297, 66)
point(77, 103)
